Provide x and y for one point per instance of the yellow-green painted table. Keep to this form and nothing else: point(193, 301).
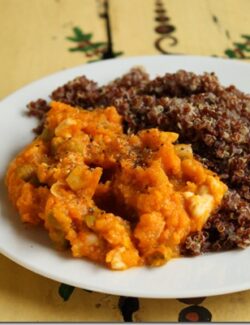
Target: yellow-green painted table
point(34, 44)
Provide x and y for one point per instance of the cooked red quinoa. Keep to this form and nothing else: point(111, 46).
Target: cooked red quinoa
point(215, 119)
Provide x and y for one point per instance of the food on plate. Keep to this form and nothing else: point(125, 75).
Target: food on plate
point(213, 118)
point(118, 199)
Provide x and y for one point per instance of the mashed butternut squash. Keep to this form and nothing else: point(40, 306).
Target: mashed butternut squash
point(120, 200)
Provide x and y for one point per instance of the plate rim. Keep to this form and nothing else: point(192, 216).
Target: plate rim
point(124, 58)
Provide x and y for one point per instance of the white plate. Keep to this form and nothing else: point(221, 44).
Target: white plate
point(206, 275)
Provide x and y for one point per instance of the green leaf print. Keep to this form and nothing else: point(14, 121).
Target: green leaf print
point(65, 291)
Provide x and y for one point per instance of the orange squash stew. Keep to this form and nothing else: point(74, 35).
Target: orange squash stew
point(116, 199)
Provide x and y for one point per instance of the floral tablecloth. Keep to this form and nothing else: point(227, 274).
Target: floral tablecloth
point(39, 37)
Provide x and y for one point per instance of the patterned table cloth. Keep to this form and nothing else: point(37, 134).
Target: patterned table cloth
point(39, 37)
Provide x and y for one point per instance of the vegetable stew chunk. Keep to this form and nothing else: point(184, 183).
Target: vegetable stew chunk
point(116, 199)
